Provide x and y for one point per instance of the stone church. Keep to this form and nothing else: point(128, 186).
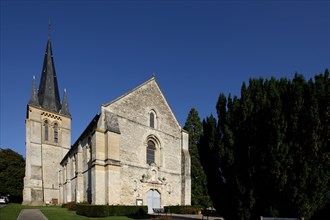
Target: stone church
point(133, 152)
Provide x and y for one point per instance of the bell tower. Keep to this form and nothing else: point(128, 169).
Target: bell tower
point(48, 136)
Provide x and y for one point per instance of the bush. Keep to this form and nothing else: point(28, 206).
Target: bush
point(105, 210)
point(120, 210)
point(92, 210)
point(117, 210)
point(162, 218)
point(70, 206)
point(178, 209)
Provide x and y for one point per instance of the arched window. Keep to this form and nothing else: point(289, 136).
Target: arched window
point(55, 133)
point(46, 124)
point(151, 149)
point(152, 120)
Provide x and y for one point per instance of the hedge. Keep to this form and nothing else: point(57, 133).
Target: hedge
point(120, 210)
point(106, 210)
point(92, 210)
point(179, 209)
point(70, 206)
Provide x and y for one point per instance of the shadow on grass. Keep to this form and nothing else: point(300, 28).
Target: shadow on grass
point(12, 210)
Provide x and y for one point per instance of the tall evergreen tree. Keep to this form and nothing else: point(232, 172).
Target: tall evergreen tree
point(268, 153)
point(199, 191)
point(208, 149)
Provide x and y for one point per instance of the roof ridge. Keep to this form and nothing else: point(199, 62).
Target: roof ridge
point(138, 87)
point(132, 90)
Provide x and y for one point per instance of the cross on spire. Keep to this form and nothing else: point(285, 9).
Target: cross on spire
point(49, 28)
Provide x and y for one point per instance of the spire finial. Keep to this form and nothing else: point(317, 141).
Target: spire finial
point(34, 94)
point(65, 105)
point(49, 28)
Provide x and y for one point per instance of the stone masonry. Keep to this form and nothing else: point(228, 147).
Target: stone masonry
point(108, 165)
point(134, 152)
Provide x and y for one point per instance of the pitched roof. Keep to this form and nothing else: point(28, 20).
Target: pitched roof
point(90, 128)
point(48, 94)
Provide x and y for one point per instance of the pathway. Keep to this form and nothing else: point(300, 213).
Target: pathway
point(31, 214)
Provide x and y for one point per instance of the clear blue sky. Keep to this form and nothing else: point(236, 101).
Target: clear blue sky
point(196, 49)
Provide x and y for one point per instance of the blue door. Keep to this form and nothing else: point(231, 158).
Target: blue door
point(153, 200)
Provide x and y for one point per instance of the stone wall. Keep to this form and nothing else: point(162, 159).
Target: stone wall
point(137, 177)
point(112, 163)
point(43, 157)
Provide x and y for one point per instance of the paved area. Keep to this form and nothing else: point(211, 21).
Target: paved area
point(31, 214)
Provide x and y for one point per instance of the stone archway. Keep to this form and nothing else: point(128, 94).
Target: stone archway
point(153, 200)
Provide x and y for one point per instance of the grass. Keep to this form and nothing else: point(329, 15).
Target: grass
point(11, 212)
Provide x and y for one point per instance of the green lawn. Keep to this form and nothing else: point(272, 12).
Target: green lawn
point(11, 212)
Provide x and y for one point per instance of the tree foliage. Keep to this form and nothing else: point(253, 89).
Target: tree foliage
point(268, 152)
point(12, 168)
point(199, 193)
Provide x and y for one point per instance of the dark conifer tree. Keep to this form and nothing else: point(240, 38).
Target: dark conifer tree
point(199, 191)
point(268, 153)
point(209, 149)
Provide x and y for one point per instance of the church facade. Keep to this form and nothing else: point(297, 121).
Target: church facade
point(134, 152)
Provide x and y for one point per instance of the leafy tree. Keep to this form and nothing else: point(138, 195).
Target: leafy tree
point(199, 192)
point(12, 168)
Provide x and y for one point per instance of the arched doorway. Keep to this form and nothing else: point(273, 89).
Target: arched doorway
point(153, 200)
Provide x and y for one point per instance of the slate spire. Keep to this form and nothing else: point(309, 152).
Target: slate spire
point(34, 95)
point(48, 94)
point(65, 105)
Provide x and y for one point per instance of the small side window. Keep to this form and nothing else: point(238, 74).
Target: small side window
point(55, 133)
point(46, 130)
point(152, 120)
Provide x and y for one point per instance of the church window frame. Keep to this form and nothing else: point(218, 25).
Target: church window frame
point(153, 151)
point(46, 130)
point(153, 119)
point(56, 133)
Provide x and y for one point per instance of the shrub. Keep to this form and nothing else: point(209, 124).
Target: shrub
point(119, 210)
point(70, 205)
point(178, 209)
point(105, 210)
point(92, 210)
point(162, 218)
